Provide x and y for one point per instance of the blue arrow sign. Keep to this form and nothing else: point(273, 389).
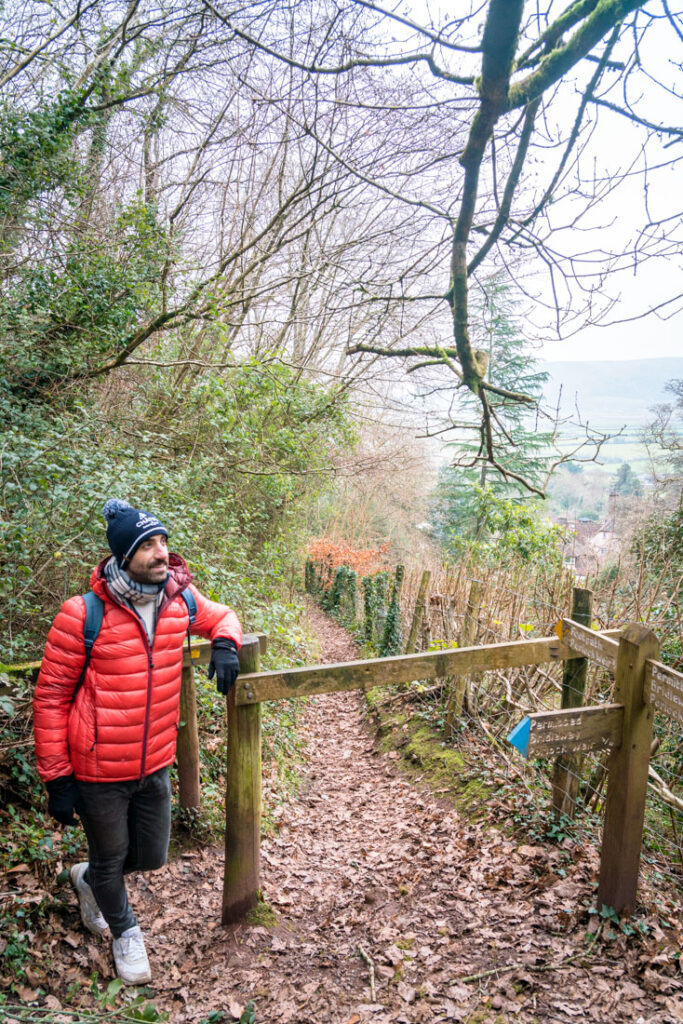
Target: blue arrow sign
point(578, 730)
point(519, 737)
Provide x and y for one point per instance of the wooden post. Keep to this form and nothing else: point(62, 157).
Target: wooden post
point(187, 751)
point(568, 766)
point(458, 684)
point(419, 612)
point(243, 798)
point(622, 836)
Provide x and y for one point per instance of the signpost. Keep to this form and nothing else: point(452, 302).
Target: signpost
point(548, 733)
point(664, 687)
point(588, 644)
point(623, 729)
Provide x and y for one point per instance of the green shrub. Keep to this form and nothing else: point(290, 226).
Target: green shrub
point(392, 638)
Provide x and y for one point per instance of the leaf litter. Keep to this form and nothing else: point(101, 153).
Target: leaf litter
point(390, 907)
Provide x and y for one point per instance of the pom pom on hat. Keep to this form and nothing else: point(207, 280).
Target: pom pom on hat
point(113, 506)
point(127, 527)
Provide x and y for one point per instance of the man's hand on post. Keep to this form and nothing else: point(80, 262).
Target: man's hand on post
point(62, 794)
point(224, 664)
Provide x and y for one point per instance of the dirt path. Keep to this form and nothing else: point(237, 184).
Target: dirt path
point(371, 878)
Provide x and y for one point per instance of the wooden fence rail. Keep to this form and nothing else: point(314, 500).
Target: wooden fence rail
point(403, 668)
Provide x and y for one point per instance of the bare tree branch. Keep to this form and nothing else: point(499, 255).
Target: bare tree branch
point(350, 65)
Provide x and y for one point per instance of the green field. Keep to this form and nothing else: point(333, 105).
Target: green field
point(614, 453)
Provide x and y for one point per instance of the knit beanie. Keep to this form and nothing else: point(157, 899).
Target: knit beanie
point(127, 527)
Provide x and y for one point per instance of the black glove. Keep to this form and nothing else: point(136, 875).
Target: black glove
point(62, 794)
point(224, 664)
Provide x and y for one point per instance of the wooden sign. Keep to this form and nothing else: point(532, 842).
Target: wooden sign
point(589, 644)
point(665, 688)
point(576, 730)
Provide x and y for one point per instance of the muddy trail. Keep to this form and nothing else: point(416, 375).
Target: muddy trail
point(389, 907)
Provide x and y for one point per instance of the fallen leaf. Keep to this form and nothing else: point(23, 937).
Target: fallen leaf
point(235, 1008)
point(27, 995)
point(406, 992)
point(675, 1007)
point(458, 992)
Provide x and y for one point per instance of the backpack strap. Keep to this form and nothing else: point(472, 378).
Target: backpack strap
point(189, 599)
point(94, 613)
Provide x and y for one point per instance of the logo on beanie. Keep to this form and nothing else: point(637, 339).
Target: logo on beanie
point(146, 520)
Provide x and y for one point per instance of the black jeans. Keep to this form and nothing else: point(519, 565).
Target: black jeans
point(128, 826)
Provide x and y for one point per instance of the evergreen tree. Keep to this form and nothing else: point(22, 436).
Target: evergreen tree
point(456, 510)
point(627, 482)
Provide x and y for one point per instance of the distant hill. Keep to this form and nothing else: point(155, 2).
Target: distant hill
point(611, 394)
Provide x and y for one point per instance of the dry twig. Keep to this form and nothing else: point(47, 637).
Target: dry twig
point(371, 971)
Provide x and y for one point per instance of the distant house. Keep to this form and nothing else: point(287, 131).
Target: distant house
point(603, 543)
point(588, 544)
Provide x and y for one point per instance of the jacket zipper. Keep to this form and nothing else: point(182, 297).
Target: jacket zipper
point(150, 667)
point(148, 705)
point(148, 702)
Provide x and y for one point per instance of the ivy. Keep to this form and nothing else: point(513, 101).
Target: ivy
point(240, 532)
point(340, 599)
point(392, 638)
point(337, 593)
point(36, 149)
point(57, 318)
point(381, 591)
point(369, 608)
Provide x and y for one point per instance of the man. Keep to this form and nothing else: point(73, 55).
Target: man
point(105, 728)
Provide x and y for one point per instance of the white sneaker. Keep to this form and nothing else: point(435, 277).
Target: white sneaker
point(91, 915)
point(130, 957)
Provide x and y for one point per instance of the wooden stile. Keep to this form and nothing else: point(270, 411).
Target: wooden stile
point(642, 684)
point(189, 785)
point(243, 799)
point(201, 650)
point(628, 773)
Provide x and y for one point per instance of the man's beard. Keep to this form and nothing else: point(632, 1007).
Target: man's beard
point(150, 574)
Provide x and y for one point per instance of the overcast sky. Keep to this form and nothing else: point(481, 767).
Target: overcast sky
point(626, 333)
point(650, 337)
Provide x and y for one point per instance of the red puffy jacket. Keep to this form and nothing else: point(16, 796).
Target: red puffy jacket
point(123, 723)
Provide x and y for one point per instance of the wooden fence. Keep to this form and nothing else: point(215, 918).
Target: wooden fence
point(623, 729)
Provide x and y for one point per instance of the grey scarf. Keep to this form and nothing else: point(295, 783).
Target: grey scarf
point(125, 589)
point(143, 598)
